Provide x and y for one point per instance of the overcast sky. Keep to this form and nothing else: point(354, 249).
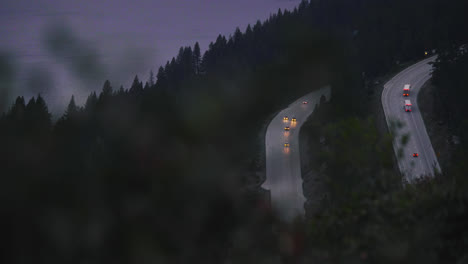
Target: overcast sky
point(127, 37)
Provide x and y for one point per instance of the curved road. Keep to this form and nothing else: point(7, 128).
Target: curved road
point(283, 168)
point(393, 105)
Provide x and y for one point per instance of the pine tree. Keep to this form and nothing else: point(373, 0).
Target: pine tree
point(151, 79)
point(204, 65)
point(121, 91)
point(249, 38)
point(257, 27)
point(91, 102)
point(72, 109)
point(280, 13)
point(248, 31)
point(171, 71)
point(237, 36)
point(180, 56)
point(41, 114)
point(196, 58)
point(29, 116)
point(137, 86)
point(161, 81)
point(18, 110)
point(107, 90)
point(30, 106)
point(187, 63)
point(41, 105)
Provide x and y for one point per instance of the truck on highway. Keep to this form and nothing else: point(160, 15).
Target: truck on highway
point(406, 90)
point(407, 106)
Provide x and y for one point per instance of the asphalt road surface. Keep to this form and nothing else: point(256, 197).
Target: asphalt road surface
point(413, 124)
point(283, 168)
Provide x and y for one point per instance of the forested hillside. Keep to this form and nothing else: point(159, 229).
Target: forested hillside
point(366, 215)
point(451, 80)
point(166, 170)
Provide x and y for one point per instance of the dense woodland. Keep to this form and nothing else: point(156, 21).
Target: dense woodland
point(166, 170)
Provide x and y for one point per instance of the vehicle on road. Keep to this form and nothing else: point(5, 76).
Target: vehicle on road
point(293, 119)
point(415, 155)
point(406, 90)
point(407, 106)
point(286, 145)
point(305, 102)
point(285, 118)
point(286, 128)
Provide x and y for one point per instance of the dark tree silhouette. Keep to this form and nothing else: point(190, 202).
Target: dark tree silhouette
point(137, 87)
point(161, 77)
point(151, 81)
point(196, 58)
point(107, 90)
point(91, 102)
point(72, 110)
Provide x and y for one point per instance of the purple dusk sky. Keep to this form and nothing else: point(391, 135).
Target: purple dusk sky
point(128, 37)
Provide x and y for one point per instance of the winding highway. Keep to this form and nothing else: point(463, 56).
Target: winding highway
point(283, 168)
point(413, 124)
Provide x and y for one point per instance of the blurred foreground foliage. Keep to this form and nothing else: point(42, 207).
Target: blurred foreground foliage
point(368, 216)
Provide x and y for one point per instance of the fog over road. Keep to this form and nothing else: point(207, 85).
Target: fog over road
point(393, 105)
point(283, 168)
